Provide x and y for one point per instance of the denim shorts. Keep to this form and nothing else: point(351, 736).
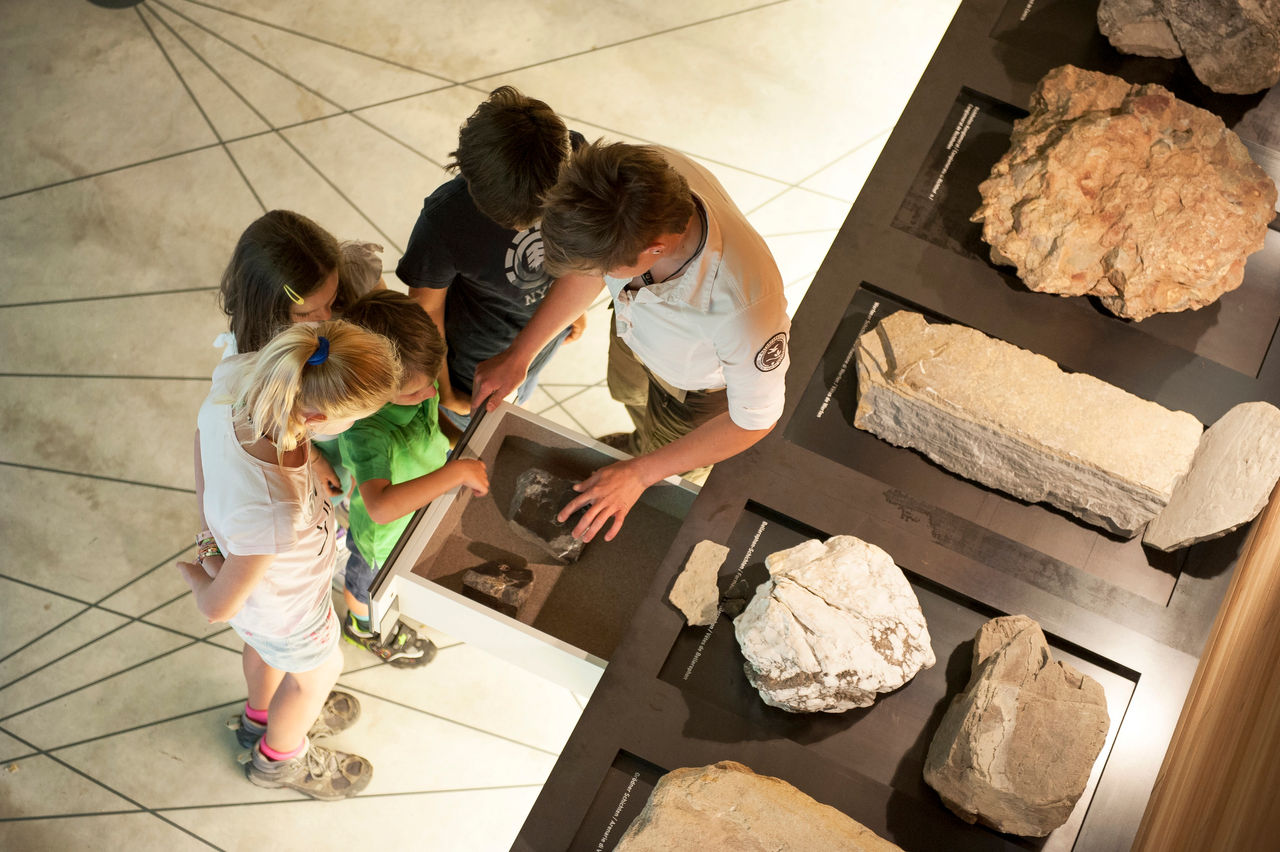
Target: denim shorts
point(303, 650)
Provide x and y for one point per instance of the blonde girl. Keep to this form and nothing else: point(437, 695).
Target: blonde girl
point(266, 556)
point(286, 269)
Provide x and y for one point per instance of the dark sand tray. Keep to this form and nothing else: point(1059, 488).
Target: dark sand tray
point(576, 611)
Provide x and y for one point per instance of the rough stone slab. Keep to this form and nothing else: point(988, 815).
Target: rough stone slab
point(1138, 27)
point(836, 624)
point(1231, 477)
point(1015, 749)
point(1124, 193)
point(1233, 45)
point(539, 496)
point(695, 592)
point(500, 586)
point(1013, 420)
point(726, 807)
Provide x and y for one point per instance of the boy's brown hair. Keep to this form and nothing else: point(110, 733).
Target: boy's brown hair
point(402, 321)
point(611, 201)
point(509, 152)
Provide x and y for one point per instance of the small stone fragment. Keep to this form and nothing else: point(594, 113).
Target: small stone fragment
point(695, 592)
point(836, 624)
point(1231, 477)
point(539, 497)
point(1015, 749)
point(1013, 420)
point(736, 597)
point(726, 807)
point(499, 586)
point(1124, 193)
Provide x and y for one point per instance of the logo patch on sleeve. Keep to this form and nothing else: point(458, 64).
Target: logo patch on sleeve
point(772, 353)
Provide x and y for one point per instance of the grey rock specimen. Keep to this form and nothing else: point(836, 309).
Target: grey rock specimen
point(836, 624)
point(1015, 749)
point(503, 587)
point(1013, 420)
point(1233, 46)
point(1124, 193)
point(1139, 27)
point(1235, 468)
point(725, 807)
point(539, 497)
point(695, 592)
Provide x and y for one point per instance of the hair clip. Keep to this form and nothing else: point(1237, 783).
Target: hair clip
point(322, 352)
point(293, 296)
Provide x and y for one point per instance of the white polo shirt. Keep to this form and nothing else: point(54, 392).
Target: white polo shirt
point(723, 323)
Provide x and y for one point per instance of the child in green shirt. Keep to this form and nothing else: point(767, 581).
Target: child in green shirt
point(398, 457)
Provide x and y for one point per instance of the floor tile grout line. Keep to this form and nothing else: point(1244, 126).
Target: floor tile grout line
point(319, 40)
point(424, 712)
point(96, 476)
point(141, 807)
point(110, 296)
point(277, 131)
point(223, 142)
point(264, 63)
point(222, 707)
point(147, 573)
point(102, 376)
point(363, 797)
point(101, 680)
point(212, 127)
point(806, 233)
point(35, 639)
point(471, 81)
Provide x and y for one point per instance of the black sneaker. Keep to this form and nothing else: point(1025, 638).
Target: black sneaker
point(318, 772)
point(340, 711)
point(403, 648)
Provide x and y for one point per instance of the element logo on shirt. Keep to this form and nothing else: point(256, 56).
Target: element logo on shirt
point(524, 260)
point(772, 353)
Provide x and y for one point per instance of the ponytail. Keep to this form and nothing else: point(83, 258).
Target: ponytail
point(335, 368)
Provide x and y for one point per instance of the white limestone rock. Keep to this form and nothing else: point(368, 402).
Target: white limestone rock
point(1013, 420)
point(1235, 468)
point(1015, 749)
point(726, 807)
point(836, 624)
point(695, 592)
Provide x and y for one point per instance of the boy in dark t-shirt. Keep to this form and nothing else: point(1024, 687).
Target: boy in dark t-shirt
point(474, 260)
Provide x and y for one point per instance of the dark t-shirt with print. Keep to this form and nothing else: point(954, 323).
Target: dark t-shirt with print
point(494, 276)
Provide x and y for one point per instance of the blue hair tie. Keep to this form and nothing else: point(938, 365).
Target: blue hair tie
point(322, 352)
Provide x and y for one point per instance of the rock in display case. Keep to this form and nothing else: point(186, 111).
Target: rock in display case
point(1132, 618)
point(462, 556)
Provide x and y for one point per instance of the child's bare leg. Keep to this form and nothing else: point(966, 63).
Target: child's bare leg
point(361, 610)
point(262, 679)
point(297, 702)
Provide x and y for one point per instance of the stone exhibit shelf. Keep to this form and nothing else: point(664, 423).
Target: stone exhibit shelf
point(1133, 618)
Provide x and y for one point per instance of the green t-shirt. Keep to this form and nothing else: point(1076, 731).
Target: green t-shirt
point(399, 443)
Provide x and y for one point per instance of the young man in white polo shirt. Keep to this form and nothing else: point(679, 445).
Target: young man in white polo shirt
point(700, 352)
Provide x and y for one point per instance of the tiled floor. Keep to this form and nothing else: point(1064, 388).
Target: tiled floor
point(138, 142)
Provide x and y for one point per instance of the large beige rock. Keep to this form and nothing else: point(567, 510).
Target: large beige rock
point(1015, 749)
point(836, 624)
point(1013, 420)
point(726, 807)
point(695, 592)
point(1233, 46)
point(1125, 193)
point(1231, 477)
